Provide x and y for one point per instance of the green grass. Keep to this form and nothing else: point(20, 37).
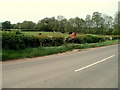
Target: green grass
point(42, 51)
point(32, 52)
point(91, 45)
point(47, 33)
point(52, 33)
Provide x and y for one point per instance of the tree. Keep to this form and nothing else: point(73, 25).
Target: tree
point(53, 24)
point(70, 26)
point(6, 25)
point(116, 23)
point(119, 20)
point(108, 23)
point(82, 26)
point(27, 25)
point(88, 23)
point(17, 26)
point(61, 23)
point(48, 24)
point(60, 17)
point(75, 25)
point(97, 22)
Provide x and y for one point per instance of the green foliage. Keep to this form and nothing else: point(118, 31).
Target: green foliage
point(93, 39)
point(27, 25)
point(6, 25)
point(18, 32)
point(86, 39)
point(98, 23)
point(114, 37)
point(32, 52)
point(16, 40)
point(12, 41)
point(19, 41)
point(57, 41)
point(42, 51)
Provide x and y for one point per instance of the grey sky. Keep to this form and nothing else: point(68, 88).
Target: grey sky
point(34, 10)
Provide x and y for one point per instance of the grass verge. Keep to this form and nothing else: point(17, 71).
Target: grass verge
point(42, 51)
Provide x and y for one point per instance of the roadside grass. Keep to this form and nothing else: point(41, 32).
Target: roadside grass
point(42, 51)
point(32, 52)
point(92, 45)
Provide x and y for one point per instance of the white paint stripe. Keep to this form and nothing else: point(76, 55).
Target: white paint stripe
point(94, 63)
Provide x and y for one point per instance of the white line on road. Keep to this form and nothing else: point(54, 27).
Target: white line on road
point(94, 63)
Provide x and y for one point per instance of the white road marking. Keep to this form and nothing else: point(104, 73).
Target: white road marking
point(94, 63)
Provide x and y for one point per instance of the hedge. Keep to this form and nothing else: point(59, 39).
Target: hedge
point(86, 39)
point(18, 41)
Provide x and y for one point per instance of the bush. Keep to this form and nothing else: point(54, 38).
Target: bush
point(80, 40)
point(57, 41)
point(114, 37)
point(20, 41)
point(18, 32)
point(16, 41)
point(12, 41)
point(93, 39)
point(86, 39)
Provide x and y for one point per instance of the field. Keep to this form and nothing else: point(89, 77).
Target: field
point(47, 33)
point(57, 34)
point(52, 33)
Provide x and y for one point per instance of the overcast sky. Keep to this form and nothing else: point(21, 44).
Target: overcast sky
point(35, 10)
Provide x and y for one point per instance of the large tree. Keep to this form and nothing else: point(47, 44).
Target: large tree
point(98, 21)
point(48, 24)
point(6, 25)
point(88, 23)
point(27, 25)
point(61, 23)
point(116, 23)
point(107, 24)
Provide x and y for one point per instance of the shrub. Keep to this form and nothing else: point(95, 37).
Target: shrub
point(86, 39)
point(12, 40)
point(80, 40)
point(114, 37)
point(20, 41)
point(56, 41)
point(18, 32)
point(93, 39)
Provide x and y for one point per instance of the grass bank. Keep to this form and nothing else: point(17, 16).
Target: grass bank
point(42, 51)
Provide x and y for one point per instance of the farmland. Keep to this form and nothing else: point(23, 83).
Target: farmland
point(47, 33)
point(53, 33)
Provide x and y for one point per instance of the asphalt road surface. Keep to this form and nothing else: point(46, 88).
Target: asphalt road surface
point(91, 68)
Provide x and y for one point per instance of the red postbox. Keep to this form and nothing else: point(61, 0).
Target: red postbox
point(73, 35)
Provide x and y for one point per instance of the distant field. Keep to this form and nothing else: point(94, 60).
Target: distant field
point(42, 33)
point(47, 33)
point(53, 33)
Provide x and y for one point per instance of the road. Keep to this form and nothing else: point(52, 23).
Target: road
point(91, 68)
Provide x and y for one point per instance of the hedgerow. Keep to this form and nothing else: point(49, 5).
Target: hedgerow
point(86, 39)
point(18, 41)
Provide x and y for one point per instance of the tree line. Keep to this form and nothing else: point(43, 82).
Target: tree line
point(98, 23)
